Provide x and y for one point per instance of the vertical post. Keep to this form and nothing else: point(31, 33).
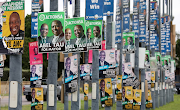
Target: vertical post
point(109, 40)
point(164, 98)
point(75, 104)
point(66, 55)
point(149, 22)
point(86, 62)
point(163, 8)
point(167, 7)
point(15, 74)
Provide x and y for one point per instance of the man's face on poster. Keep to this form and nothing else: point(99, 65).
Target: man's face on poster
point(102, 56)
point(116, 55)
point(33, 93)
point(102, 85)
point(68, 64)
point(119, 3)
point(124, 41)
point(129, 40)
point(35, 50)
point(82, 68)
point(44, 30)
point(137, 5)
point(96, 31)
point(14, 23)
point(146, 57)
point(33, 69)
point(155, 22)
point(164, 20)
point(40, 2)
point(155, 5)
point(158, 58)
point(144, 12)
point(165, 62)
point(68, 34)
point(56, 28)
point(78, 31)
point(123, 93)
point(88, 33)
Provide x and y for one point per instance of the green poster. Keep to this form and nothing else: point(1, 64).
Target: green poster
point(146, 61)
point(158, 58)
point(51, 32)
point(128, 42)
point(153, 63)
point(94, 34)
point(164, 61)
point(75, 35)
point(169, 60)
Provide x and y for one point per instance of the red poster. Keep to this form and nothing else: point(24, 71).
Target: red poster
point(34, 56)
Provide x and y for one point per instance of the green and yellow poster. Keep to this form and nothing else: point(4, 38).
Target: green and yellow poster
point(86, 89)
point(37, 98)
point(119, 87)
point(137, 99)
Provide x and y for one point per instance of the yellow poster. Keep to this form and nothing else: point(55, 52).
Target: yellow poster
point(119, 87)
point(137, 99)
point(128, 97)
point(86, 88)
point(13, 27)
point(37, 98)
point(149, 101)
point(152, 79)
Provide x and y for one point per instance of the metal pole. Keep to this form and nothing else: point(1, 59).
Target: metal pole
point(66, 55)
point(164, 98)
point(167, 7)
point(149, 23)
point(15, 74)
point(163, 8)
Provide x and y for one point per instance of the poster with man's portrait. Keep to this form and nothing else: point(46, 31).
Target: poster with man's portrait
point(128, 42)
point(148, 78)
point(13, 28)
point(147, 59)
point(34, 56)
point(37, 6)
point(137, 98)
point(37, 99)
point(158, 58)
point(51, 30)
point(71, 73)
point(1, 20)
point(165, 64)
point(128, 99)
point(85, 70)
point(36, 75)
point(94, 34)
point(105, 92)
point(75, 35)
point(86, 90)
point(169, 60)
point(153, 63)
point(118, 90)
point(117, 57)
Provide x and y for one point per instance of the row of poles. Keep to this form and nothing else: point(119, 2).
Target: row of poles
point(16, 67)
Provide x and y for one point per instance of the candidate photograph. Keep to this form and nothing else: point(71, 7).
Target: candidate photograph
point(103, 93)
point(130, 45)
point(88, 34)
point(82, 71)
point(146, 63)
point(80, 36)
point(68, 71)
point(97, 34)
point(32, 75)
point(33, 92)
point(68, 35)
point(44, 31)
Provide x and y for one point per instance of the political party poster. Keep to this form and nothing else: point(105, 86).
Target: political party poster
point(36, 75)
point(169, 60)
point(118, 90)
point(94, 9)
point(71, 73)
point(153, 79)
point(126, 15)
point(85, 70)
point(94, 34)
point(128, 42)
point(118, 22)
point(137, 99)
point(165, 62)
point(34, 25)
point(154, 26)
point(142, 21)
point(167, 76)
point(106, 92)
point(147, 59)
point(13, 27)
point(108, 8)
point(148, 78)
point(168, 31)
point(1, 19)
point(86, 89)
point(128, 102)
point(153, 63)
point(75, 35)
point(135, 17)
point(34, 56)
point(158, 58)
point(149, 100)
point(163, 35)
point(37, 98)
point(37, 6)
point(51, 30)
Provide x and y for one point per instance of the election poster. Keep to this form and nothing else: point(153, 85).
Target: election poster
point(128, 102)
point(137, 99)
point(149, 100)
point(167, 76)
point(94, 34)
point(108, 8)
point(153, 79)
point(75, 35)
point(71, 73)
point(34, 24)
point(37, 6)
point(86, 89)
point(34, 56)
point(94, 9)
point(158, 58)
point(135, 17)
point(169, 60)
point(118, 22)
point(126, 15)
point(85, 70)
point(147, 59)
point(51, 30)
point(13, 27)
point(165, 62)
point(163, 35)
point(117, 57)
point(36, 75)
point(37, 98)
point(148, 78)
point(128, 42)
point(168, 31)
point(118, 90)
point(153, 63)
point(106, 92)
point(142, 21)
point(1, 19)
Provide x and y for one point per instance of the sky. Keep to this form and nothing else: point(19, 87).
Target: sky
point(176, 9)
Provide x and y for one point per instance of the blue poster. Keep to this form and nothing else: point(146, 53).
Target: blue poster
point(142, 21)
point(126, 15)
point(94, 9)
point(34, 24)
point(37, 6)
point(168, 31)
point(135, 17)
point(108, 7)
point(163, 36)
point(118, 22)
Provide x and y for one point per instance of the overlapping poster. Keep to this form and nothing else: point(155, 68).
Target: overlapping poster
point(137, 99)
point(128, 42)
point(147, 59)
point(34, 56)
point(149, 100)
point(86, 89)
point(118, 90)
point(135, 17)
point(37, 98)
point(167, 77)
point(163, 35)
point(128, 99)
point(71, 73)
point(37, 6)
point(94, 9)
point(13, 27)
point(1, 20)
point(51, 30)
point(169, 60)
point(75, 35)
point(94, 34)
point(126, 15)
point(106, 92)
point(108, 8)
point(165, 62)
point(158, 58)
point(153, 79)
point(142, 21)
point(85, 71)
point(36, 75)
point(168, 31)
point(148, 78)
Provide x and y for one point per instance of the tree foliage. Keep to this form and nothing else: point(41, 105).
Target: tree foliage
point(177, 53)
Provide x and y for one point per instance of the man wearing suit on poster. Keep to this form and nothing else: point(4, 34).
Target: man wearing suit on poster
point(117, 62)
point(80, 37)
point(68, 34)
point(102, 90)
point(33, 99)
point(130, 44)
point(102, 62)
point(97, 35)
point(44, 31)
point(33, 74)
point(88, 33)
point(82, 71)
point(68, 73)
point(156, 27)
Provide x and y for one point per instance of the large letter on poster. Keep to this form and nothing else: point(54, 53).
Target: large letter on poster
point(13, 27)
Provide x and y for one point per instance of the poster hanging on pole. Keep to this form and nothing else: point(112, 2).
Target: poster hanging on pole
point(118, 90)
point(126, 15)
point(128, 97)
point(128, 42)
point(163, 35)
point(137, 99)
point(147, 59)
point(85, 71)
point(86, 89)
point(142, 21)
point(37, 98)
point(108, 8)
point(168, 35)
